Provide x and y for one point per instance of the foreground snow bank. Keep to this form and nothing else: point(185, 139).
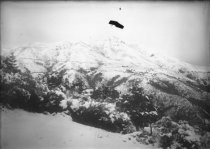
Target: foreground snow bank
point(24, 130)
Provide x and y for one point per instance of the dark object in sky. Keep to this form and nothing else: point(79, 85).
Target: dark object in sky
point(115, 23)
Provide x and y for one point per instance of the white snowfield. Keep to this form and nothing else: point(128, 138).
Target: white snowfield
point(24, 130)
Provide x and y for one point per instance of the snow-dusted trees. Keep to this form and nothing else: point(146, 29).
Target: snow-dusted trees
point(170, 134)
point(52, 75)
point(78, 85)
point(105, 93)
point(139, 107)
point(20, 89)
point(8, 74)
point(8, 64)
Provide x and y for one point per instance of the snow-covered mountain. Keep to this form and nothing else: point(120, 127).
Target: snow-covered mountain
point(171, 82)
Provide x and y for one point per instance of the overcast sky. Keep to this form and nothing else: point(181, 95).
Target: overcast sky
point(180, 29)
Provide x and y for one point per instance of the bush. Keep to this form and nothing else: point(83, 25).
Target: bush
point(176, 135)
point(9, 64)
point(52, 100)
point(105, 93)
point(102, 115)
point(144, 137)
point(165, 141)
point(205, 140)
point(17, 97)
point(23, 90)
point(138, 106)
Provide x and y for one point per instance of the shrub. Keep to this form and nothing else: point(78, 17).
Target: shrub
point(52, 100)
point(105, 93)
point(102, 115)
point(55, 78)
point(23, 90)
point(165, 140)
point(176, 135)
point(9, 64)
point(205, 140)
point(144, 137)
point(18, 97)
point(139, 107)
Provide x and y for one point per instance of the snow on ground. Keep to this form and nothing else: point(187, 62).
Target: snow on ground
point(24, 130)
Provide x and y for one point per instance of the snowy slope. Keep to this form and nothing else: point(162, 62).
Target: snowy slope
point(24, 130)
point(111, 57)
point(108, 51)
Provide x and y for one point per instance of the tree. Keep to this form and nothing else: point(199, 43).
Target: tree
point(52, 99)
point(9, 64)
point(78, 85)
point(139, 107)
point(105, 93)
point(55, 79)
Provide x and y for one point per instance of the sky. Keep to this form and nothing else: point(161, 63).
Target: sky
point(177, 29)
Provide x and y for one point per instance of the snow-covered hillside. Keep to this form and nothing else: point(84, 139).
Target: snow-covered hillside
point(111, 52)
point(24, 130)
point(112, 57)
